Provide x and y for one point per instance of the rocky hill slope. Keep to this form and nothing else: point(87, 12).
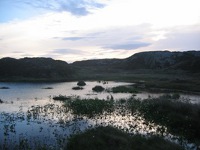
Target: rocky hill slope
point(155, 60)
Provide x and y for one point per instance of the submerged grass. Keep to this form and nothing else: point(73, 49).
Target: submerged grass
point(180, 118)
point(90, 107)
point(109, 138)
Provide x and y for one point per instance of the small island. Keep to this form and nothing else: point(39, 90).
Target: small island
point(81, 83)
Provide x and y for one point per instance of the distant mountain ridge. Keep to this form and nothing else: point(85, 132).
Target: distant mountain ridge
point(189, 61)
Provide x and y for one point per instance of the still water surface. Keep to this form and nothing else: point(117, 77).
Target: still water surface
point(50, 122)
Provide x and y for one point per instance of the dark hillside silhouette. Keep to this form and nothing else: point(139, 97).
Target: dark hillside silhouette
point(38, 68)
point(56, 70)
point(155, 60)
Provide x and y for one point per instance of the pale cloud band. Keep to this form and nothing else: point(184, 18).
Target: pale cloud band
point(129, 46)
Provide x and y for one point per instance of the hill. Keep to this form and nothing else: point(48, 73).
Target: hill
point(152, 63)
point(166, 60)
point(36, 69)
point(155, 60)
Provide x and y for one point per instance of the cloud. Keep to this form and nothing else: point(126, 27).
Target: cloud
point(129, 46)
point(73, 38)
point(181, 38)
point(17, 52)
point(66, 51)
point(75, 7)
point(27, 55)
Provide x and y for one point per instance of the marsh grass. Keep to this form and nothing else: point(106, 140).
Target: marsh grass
point(109, 138)
point(61, 97)
point(90, 107)
point(180, 118)
point(124, 89)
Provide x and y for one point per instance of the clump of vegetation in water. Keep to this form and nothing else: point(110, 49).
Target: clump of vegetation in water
point(1, 101)
point(124, 89)
point(61, 97)
point(77, 88)
point(98, 88)
point(182, 119)
point(81, 83)
point(48, 88)
point(109, 138)
point(90, 107)
point(4, 87)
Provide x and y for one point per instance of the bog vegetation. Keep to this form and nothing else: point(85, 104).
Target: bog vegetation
point(109, 138)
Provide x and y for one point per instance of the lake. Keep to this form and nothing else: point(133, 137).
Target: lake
point(30, 117)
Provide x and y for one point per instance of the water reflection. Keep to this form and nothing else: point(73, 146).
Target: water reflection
point(29, 115)
point(51, 123)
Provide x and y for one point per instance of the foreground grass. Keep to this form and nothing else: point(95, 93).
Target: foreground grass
point(109, 138)
point(180, 118)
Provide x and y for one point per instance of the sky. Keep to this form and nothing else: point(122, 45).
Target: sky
point(73, 30)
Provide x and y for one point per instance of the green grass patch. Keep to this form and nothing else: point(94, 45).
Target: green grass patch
point(90, 107)
point(109, 138)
